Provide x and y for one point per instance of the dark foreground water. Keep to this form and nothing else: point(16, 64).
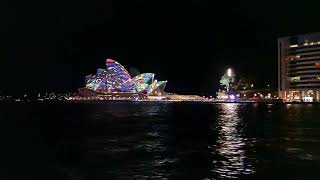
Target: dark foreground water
point(118, 140)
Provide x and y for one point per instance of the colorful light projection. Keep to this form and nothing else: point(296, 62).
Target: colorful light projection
point(96, 82)
point(144, 78)
point(115, 78)
point(156, 87)
point(142, 81)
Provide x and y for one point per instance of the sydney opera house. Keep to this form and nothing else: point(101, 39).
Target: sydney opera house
point(115, 79)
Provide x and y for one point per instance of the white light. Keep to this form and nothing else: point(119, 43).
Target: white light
point(294, 46)
point(229, 72)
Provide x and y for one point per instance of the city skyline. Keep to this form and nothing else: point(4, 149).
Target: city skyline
point(167, 89)
point(49, 46)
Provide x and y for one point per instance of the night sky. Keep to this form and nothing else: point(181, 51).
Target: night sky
point(52, 45)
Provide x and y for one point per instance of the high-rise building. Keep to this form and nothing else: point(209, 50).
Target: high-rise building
point(299, 67)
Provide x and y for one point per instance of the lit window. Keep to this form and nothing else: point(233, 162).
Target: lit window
point(293, 79)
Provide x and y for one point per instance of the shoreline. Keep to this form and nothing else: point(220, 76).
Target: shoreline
point(195, 101)
point(200, 101)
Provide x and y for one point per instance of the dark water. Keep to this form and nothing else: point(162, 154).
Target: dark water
point(117, 140)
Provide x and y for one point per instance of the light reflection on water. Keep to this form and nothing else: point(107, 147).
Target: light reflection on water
point(230, 145)
point(164, 141)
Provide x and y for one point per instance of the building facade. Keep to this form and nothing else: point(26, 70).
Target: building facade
point(299, 67)
point(116, 79)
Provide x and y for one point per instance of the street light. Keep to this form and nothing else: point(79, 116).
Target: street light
point(229, 72)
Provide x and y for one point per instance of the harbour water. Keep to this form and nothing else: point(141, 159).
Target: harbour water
point(149, 140)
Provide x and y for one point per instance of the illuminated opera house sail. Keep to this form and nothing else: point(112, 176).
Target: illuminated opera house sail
point(116, 79)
